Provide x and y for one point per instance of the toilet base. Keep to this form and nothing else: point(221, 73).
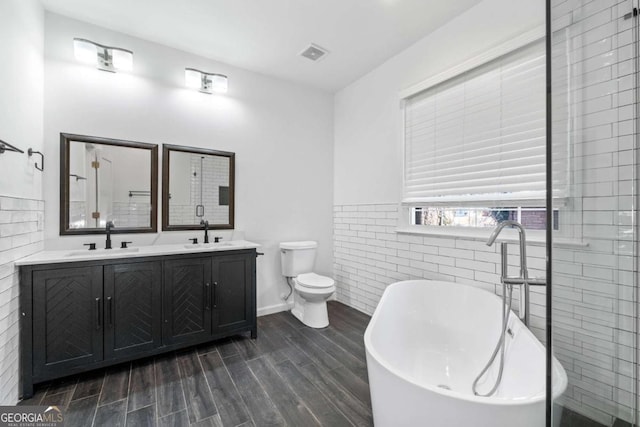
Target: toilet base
point(312, 314)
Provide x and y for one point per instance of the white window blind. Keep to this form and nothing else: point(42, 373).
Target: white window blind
point(480, 136)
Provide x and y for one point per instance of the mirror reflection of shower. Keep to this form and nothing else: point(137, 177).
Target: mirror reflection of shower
point(199, 187)
point(101, 181)
point(108, 182)
point(95, 165)
point(200, 206)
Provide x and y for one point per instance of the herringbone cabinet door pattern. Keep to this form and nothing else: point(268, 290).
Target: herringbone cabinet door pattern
point(187, 298)
point(132, 308)
point(67, 315)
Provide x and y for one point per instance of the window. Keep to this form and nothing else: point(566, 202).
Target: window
point(478, 139)
point(532, 218)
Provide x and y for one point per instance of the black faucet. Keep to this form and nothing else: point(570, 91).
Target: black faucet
point(205, 224)
point(110, 226)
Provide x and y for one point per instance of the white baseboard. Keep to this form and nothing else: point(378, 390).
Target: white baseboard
point(276, 308)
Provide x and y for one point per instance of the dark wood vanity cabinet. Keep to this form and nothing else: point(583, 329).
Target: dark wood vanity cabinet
point(187, 295)
point(232, 308)
point(85, 315)
point(132, 308)
point(208, 296)
point(67, 319)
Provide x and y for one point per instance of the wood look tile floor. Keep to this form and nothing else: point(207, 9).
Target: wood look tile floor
point(291, 375)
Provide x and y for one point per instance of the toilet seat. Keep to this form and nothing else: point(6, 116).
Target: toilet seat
point(314, 281)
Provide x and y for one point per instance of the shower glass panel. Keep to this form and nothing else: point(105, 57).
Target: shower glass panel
point(594, 173)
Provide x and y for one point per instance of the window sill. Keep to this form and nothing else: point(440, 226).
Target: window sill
point(536, 238)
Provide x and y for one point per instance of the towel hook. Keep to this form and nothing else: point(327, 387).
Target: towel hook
point(31, 152)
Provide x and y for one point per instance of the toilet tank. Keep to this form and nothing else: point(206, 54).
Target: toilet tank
point(297, 257)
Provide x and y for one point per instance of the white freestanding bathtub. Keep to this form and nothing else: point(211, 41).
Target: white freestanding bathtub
point(426, 343)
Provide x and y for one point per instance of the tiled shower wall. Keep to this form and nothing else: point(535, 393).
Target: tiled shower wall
point(124, 214)
point(132, 214)
point(593, 64)
point(21, 234)
point(215, 174)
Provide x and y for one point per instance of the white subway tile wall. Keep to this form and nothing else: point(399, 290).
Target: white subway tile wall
point(183, 214)
point(21, 234)
point(594, 290)
point(210, 175)
point(369, 255)
point(213, 172)
point(124, 214)
point(132, 214)
point(78, 213)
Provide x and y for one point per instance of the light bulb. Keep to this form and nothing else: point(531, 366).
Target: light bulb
point(192, 78)
point(122, 59)
point(219, 83)
point(85, 51)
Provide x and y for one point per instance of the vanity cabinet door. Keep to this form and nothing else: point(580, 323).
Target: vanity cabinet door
point(233, 292)
point(132, 308)
point(187, 300)
point(67, 319)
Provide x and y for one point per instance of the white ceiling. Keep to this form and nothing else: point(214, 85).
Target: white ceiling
point(267, 35)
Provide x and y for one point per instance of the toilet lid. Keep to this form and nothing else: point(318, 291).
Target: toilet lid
point(313, 280)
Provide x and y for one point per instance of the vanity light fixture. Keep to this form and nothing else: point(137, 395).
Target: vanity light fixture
point(205, 82)
point(105, 58)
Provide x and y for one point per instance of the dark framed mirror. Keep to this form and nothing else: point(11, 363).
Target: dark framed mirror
point(107, 180)
point(197, 185)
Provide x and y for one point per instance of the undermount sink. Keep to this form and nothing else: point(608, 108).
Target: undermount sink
point(209, 245)
point(102, 252)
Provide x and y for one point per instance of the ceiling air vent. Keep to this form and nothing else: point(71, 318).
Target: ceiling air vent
point(314, 52)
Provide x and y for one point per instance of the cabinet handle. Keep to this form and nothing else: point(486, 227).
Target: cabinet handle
point(110, 310)
point(207, 298)
point(215, 294)
point(97, 313)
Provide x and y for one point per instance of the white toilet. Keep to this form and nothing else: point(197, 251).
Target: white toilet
point(311, 291)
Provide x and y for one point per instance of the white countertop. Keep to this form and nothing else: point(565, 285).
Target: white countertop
point(71, 255)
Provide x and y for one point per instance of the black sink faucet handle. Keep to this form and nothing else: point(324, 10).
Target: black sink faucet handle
point(109, 227)
point(205, 224)
point(194, 240)
point(92, 246)
point(124, 244)
point(217, 239)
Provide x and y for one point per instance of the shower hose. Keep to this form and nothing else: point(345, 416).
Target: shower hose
point(499, 346)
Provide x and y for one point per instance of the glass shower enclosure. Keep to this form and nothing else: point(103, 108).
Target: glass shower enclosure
point(592, 305)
